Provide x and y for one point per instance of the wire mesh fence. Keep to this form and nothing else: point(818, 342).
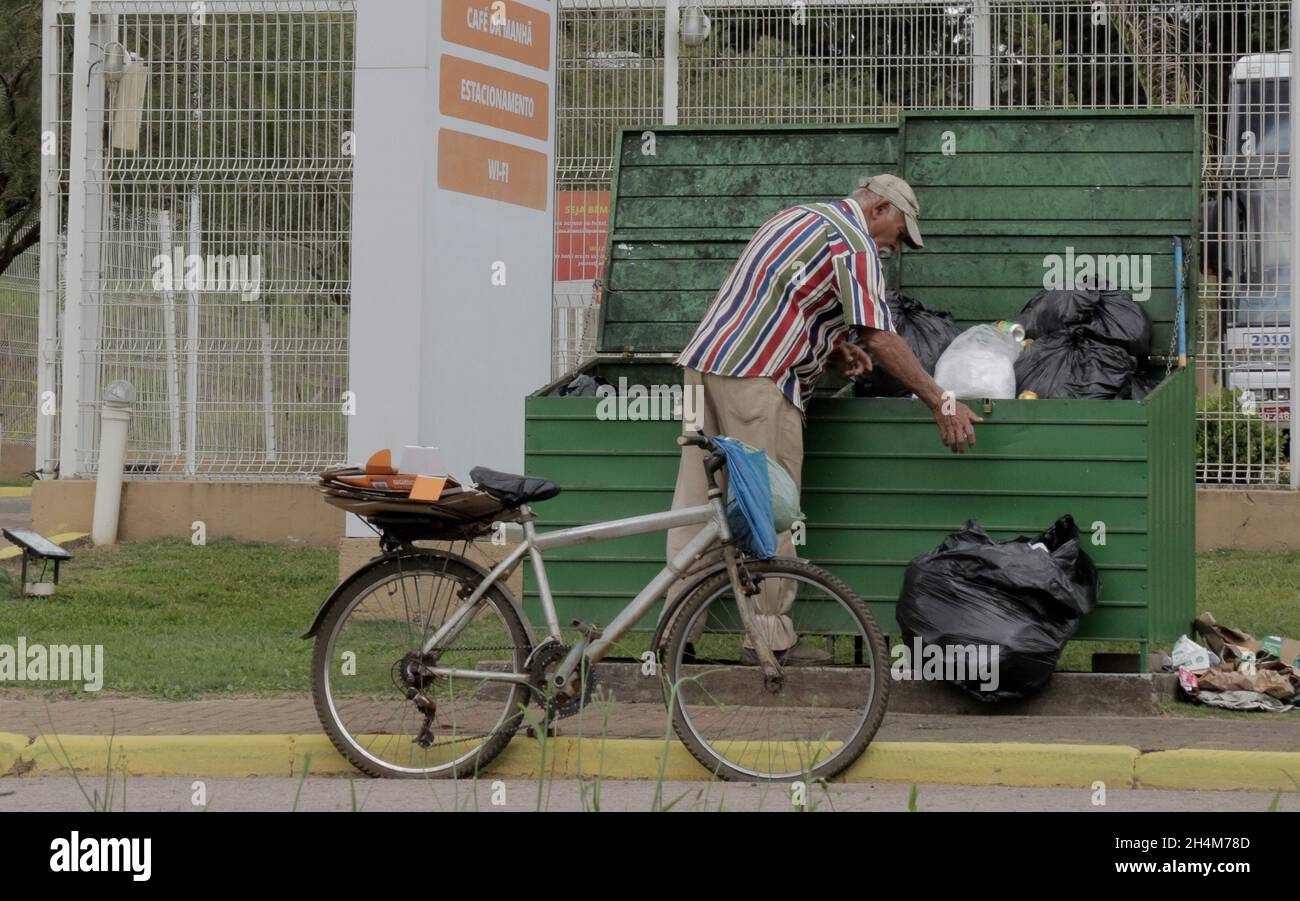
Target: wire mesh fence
point(224, 137)
point(19, 314)
point(216, 238)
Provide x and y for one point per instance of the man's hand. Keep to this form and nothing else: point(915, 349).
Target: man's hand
point(956, 420)
point(851, 360)
point(956, 423)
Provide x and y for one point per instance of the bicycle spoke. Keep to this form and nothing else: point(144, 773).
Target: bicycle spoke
point(375, 660)
point(812, 719)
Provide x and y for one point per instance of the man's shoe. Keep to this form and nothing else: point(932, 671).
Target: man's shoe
point(798, 654)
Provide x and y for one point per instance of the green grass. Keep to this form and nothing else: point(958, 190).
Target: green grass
point(15, 483)
point(178, 620)
point(1255, 591)
point(1258, 592)
point(181, 621)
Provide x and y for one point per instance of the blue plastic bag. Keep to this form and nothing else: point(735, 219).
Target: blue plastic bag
point(749, 498)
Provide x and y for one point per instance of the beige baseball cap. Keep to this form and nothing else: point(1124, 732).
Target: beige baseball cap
point(900, 194)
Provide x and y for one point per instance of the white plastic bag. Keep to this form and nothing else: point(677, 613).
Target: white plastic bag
point(1189, 654)
point(980, 362)
point(785, 497)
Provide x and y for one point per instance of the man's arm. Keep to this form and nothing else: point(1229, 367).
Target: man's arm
point(955, 420)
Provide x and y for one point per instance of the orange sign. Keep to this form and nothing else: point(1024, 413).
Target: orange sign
point(492, 96)
point(581, 225)
point(502, 27)
point(472, 165)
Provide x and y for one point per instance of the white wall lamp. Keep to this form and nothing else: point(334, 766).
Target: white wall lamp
point(695, 26)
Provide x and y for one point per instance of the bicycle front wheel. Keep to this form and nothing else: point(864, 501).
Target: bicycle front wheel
point(832, 697)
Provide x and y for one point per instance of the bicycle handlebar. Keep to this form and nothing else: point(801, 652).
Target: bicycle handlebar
point(714, 462)
point(698, 440)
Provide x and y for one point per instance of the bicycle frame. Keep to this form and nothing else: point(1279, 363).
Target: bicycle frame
point(711, 515)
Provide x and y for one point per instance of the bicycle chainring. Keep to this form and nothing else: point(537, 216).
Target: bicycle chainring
point(541, 665)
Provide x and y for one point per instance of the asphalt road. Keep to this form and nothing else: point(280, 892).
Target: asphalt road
point(326, 794)
point(15, 513)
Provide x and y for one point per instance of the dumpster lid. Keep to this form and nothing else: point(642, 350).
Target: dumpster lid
point(685, 201)
point(1020, 200)
point(1012, 199)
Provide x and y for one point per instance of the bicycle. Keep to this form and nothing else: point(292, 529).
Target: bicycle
point(424, 662)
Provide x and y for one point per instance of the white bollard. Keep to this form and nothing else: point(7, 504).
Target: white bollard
point(114, 422)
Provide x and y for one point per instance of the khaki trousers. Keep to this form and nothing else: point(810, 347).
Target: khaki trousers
point(752, 410)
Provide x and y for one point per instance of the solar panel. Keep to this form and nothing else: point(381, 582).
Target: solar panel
point(37, 543)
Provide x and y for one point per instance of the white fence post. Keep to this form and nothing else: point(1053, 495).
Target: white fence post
point(672, 25)
point(70, 419)
point(192, 348)
point(165, 245)
point(1295, 248)
point(982, 57)
point(47, 350)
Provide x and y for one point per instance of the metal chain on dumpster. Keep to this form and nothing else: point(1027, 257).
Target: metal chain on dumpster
point(1173, 331)
point(1173, 349)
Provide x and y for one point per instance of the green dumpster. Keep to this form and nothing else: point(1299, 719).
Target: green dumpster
point(1003, 195)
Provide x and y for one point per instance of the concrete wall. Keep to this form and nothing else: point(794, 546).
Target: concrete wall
point(1251, 520)
point(276, 513)
point(16, 459)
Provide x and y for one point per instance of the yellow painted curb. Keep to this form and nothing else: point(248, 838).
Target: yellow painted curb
point(1196, 768)
point(60, 539)
point(566, 758)
point(1030, 765)
point(15, 492)
point(945, 763)
point(325, 759)
point(10, 746)
point(158, 755)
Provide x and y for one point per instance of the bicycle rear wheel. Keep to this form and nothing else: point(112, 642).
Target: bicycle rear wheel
point(368, 657)
point(813, 725)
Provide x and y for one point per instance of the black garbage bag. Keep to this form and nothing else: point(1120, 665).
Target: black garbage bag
point(1074, 363)
point(927, 332)
point(1112, 316)
point(1138, 386)
point(1022, 597)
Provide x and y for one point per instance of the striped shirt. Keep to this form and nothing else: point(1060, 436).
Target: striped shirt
point(807, 276)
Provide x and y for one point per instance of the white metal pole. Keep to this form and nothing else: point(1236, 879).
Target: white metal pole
point(1295, 243)
point(192, 348)
point(48, 322)
point(115, 422)
point(75, 266)
point(268, 394)
point(169, 331)
point(982, 57)
point(672, 25)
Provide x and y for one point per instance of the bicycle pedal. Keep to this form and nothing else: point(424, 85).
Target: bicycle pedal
point(552, 730)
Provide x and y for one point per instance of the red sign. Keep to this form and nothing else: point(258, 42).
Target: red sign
point(581, 228)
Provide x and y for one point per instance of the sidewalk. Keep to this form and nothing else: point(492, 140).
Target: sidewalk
point(15, 513)
point(296, 715)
